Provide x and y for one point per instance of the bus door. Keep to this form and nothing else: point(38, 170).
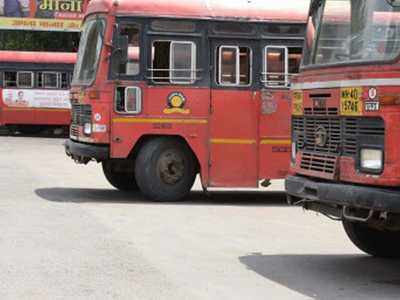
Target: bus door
point(233, 120)
point(279, 64)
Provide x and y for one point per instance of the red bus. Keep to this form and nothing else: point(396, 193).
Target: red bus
point(34, 89)
point(163, 91)
point(345, 125)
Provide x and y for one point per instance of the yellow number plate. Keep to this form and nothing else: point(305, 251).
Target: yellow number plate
point(350, 101)
point(297, 103)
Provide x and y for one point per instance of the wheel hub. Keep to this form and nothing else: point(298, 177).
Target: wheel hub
point(170, 167)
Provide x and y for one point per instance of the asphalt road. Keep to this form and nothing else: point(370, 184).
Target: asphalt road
point(65, 233)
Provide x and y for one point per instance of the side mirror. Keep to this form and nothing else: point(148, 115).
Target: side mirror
point(119, 53)
point(122, 49)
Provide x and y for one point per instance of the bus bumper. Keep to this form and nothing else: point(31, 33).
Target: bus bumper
point(83, 153)
point(340, 195)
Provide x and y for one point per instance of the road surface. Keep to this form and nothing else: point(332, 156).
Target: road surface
point(66, 233)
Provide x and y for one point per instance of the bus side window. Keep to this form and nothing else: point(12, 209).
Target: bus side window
point(65, 82)
point(234, 66)
point(276, 66)
point(25, 79)
point(174, 62)
point(50, 80)
point(10, 79)
point(132, 66)
point(295, 55)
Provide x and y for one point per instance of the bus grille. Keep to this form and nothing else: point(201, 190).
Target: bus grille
point(74, 130)
point(343, 137)
point(81, 114)
point(320, 163)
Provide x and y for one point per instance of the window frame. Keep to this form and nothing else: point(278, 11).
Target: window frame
point(43, 82)
point(127, 21)
point(23, 86)
point(218, 76)
point(193, 63)
point(169, 80)
point(286, 74)
point(139, 94)
point(138, 99)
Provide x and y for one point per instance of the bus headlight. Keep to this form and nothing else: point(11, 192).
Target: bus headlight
point(87, 129)
point(371, 159)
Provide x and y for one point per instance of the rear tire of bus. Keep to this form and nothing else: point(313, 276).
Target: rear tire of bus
point(120, 174)
point(165, 170)
point(379, 243)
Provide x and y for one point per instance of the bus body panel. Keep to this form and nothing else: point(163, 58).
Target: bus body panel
point(35, 105)
point(233, 138)
point(274, 133)
point(239, 135)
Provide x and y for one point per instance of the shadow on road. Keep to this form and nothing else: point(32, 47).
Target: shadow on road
point(239, 198)
point(52, 132)
point(330, 276)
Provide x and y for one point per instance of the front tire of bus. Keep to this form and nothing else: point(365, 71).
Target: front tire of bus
point(120, 174)
point(379, 243)
point(165, 170)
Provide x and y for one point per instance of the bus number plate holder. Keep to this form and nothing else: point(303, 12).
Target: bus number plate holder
point(350, 101)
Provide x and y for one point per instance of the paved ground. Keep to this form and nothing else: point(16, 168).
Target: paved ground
point(65, 233)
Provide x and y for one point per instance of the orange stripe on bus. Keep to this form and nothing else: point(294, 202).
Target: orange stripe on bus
point(233, 141)
point(160, 120)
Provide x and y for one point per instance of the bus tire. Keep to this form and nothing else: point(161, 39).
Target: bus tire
point(165, 170)
point(379, 243)
point(120, 174)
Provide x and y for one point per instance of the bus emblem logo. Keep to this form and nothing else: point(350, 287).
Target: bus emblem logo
point(321, 136)
point(176, 104)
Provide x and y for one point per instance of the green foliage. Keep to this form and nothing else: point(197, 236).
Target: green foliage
point(22, 40)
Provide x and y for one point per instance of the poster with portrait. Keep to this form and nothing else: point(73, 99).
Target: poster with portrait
point(29, 98)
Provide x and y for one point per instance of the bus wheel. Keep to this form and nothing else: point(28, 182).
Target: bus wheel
point(375, 242)
point(120, 174)
point(165, 170)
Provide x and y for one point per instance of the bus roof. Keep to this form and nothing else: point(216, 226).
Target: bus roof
point(38, 57)
point(246, 10)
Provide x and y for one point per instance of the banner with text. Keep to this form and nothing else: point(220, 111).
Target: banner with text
point(56, 15)
point(29, 98)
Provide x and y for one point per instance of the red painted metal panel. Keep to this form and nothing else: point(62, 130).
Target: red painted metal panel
point(267, 10)
point(274, 132)
point(37, 57)
point(233, 138)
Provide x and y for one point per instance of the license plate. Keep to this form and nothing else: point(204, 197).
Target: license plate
point(350, 101)
point(372, 106)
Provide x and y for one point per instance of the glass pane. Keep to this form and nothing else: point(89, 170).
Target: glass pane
point(276, 66)
point(50, 80)
point(335, 32)
point(228, 63)
point(65, 81)
point(245, 63)
point(294, 60)
point(132, 66)
point(358, 30)
point(89, 51)
point(25, 79)
point(181, 59)
point(131, 101)
point(10, 79)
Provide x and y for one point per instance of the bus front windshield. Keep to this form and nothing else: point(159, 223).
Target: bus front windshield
point(89, 51)
point(352, 31)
